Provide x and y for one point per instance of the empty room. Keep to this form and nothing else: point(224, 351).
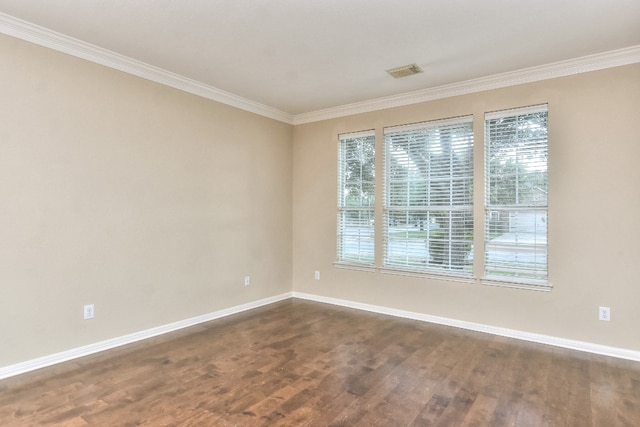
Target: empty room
point(319, 213)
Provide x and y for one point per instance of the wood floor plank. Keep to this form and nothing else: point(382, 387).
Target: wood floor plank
point(481, 411)
point(301, 363)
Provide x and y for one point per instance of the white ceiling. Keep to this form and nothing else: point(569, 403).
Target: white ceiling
point(301, 56)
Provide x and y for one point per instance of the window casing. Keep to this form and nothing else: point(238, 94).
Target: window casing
point(356, 198)
point(516, 157)
point(428, 204)
point(427, 210)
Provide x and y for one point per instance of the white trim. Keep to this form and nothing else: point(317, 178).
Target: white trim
point(520, 111)
point(432, 124)
point(504, 282)
point(64, 356)
point(428, 274)
point(600, 61)
point(359, 134)
point(44, 37)
point(477, 327)
point(368, 268)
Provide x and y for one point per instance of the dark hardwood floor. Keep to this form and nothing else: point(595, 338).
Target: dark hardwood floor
point(298, 363)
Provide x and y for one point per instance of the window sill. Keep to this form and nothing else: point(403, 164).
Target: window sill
point(358, 267)
point(533, 285)
point(427, 275)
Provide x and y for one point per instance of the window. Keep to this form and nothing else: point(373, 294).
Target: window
point(356, 188)
point(516, 195)
point(427, 210)
point(428, 206)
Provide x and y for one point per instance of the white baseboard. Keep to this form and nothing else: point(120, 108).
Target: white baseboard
point(64, 356)
point(620, 353)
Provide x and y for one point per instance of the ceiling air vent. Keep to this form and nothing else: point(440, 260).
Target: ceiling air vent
point(404, 71)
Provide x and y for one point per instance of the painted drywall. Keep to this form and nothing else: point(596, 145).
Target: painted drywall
point(154, 204)
point(594, 211)
point(148, 202)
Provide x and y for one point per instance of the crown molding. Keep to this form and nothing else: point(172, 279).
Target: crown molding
point(27, 31)
point(600, 61)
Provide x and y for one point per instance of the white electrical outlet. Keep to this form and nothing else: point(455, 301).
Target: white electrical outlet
point(604, 313)
point(247, 280)
point(316, 275)
point(89, 312)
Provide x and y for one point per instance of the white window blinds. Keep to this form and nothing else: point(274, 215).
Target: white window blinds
point(356, 197)
point(516, 150)
point(428, 206)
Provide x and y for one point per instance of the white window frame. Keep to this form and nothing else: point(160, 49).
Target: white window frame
point(406, 250)
point(516, 232)
point(356, 228)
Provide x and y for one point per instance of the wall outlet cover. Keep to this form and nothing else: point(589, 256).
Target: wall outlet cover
point(604, 313)
point(89, 312)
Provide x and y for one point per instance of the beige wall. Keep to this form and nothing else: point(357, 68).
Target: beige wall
point(594, 213)
point(153, 205)
point(148, 202)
